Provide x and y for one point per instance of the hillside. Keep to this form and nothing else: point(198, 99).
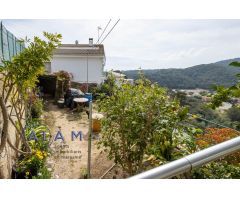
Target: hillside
point(199, 76)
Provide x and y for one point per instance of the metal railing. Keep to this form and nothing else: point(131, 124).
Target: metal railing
point(194, 160)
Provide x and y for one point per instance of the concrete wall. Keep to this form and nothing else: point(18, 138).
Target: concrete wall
point(78, 67)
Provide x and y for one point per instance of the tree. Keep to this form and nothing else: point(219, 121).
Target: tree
point(141, 120)
point(182, 96)
point(233, 114)
point(19, 77)
point(224, 94)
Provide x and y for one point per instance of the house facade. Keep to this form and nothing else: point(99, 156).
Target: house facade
point(84, 61)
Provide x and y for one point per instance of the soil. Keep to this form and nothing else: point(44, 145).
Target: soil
point(69, 158)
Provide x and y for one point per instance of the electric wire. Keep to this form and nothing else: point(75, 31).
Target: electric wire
point(104, 30)
point(110, 31)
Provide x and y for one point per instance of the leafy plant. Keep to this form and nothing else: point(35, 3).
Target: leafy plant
point(106, 88)
point(224, 94)
point(141, 120)
point(84, 173)
point(234, 114)
point(34, 165)
point(227, 167)
point(36, 107)
point(19, 77)
point(63, 82)
point(217, 170)
point(213, 136)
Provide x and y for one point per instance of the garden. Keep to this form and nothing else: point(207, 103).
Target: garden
point(22, 108)
point(143, 125)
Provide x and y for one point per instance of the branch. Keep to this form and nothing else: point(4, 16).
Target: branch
point(4, 85)
point(9, 92)
point(16, 149)
point(21, 133)
point(5, 125)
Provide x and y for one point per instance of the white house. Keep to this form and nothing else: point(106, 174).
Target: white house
point(120, 78)
point(84, 61)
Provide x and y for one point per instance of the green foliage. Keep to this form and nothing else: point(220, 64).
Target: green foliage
point(226, 167)
point(84, 173)
point(106, 88)
point(43, 173)
point(224, 94)
point(37, 108)
point(63, 83)
point(25, 67)
point(198, 107)
point(182, 97)
point(203, 93)
point(235, 64)
point(140, 121)
point(217, 170)
point(234, 114)
point(200, 76)
point(34, 165)
point(36, 125)
point(19, 80)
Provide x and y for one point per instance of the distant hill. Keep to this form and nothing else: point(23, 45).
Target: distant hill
point(199, 76)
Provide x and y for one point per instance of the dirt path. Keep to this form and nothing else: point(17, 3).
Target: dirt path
point(69, 158)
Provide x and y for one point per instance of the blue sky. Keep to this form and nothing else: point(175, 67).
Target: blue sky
point(147, 44)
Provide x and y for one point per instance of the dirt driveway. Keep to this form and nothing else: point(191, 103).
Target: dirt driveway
point(69, 158)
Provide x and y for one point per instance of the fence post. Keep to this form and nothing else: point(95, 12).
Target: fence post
point(89, 138)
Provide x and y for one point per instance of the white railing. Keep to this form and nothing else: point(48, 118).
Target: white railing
point(194, 160)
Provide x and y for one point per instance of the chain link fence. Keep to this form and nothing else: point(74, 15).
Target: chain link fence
point(9, 44)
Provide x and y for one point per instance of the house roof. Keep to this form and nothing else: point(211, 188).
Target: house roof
point(80, 49)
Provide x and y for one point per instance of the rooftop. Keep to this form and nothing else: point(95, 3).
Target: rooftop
point(80, 49)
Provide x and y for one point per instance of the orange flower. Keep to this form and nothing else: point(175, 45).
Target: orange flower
point(214, 136)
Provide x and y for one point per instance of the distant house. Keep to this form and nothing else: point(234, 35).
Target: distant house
point(120, 77)
point(84, 61)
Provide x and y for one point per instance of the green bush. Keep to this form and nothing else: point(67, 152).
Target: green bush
point(34, 164)
point(142, 121)
point(37, 108)
point(217, 170)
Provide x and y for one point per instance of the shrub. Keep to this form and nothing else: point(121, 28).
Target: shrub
point(37, 108)
point(217, 170)
point(213, 136)
point(34, 165)
point(63, 83)
point(142, 121)
point(227, 167)
point(234, 114)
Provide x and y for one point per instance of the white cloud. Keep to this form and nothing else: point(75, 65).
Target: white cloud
point(147, 43)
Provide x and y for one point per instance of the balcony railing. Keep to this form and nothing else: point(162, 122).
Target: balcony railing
point(194, 160)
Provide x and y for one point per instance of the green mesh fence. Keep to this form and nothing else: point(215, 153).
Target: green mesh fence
point(9, 44)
